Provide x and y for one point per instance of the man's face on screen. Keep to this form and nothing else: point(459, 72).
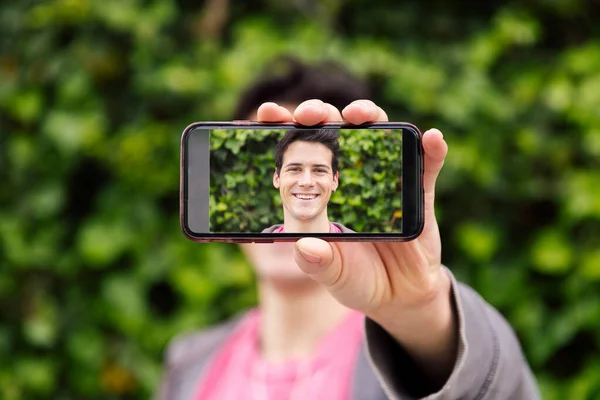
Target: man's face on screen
point(306, 180)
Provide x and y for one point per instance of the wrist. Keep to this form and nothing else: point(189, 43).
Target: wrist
point(427, 330)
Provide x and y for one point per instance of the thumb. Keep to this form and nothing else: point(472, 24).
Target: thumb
point(319, 259)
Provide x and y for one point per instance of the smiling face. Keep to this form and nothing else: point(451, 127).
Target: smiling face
point(306, 181)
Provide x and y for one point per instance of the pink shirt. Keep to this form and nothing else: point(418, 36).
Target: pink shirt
point(238, 372)
point(333, 229)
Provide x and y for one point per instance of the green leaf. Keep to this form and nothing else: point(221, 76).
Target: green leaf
point(74, 132)
point(590, 264)
point(479, 241)
point(551, 253)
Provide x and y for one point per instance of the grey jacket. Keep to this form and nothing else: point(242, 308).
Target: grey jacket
point(490, 363)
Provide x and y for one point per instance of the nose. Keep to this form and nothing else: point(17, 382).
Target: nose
point(306, 179)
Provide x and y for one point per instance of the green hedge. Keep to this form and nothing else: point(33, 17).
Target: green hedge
point(95, 275)
point(243, 198)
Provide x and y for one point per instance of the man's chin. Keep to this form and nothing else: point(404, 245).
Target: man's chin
point(306, 218)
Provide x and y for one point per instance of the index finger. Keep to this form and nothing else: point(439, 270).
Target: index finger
point(273, 112)
point(361, 111)
point(314, 111)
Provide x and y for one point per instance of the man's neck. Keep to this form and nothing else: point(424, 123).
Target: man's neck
point(295, 317)
point(319, 224)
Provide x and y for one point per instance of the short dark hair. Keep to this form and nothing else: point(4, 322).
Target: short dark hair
point(288, 80)
point(327, 137)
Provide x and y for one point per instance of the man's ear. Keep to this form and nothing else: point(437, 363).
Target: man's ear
point(276, 179)
point(336, 181)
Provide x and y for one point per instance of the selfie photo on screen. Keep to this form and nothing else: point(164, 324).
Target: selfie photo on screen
point(305, 180)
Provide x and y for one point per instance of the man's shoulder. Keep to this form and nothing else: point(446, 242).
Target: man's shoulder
point(272, 228)
point(343, 228)
point(187, 356)
point(191, 347)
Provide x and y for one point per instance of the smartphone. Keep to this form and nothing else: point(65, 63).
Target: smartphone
point(245, 181)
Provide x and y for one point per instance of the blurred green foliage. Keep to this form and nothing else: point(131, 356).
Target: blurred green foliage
point(243, 198)
point(95, 275)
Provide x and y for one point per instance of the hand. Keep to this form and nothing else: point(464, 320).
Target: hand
point(401, 286)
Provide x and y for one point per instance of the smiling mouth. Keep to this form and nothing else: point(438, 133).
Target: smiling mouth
point(305, 196)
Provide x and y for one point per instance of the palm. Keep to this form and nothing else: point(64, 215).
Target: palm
point(375, 274)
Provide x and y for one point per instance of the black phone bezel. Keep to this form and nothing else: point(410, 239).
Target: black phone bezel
point(412, 186)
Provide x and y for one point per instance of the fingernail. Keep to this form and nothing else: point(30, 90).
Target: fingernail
point(436, 131)
point(364, 105)
point(313, 107)
point(311, 258)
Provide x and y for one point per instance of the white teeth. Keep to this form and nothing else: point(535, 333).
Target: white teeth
point(306, 196)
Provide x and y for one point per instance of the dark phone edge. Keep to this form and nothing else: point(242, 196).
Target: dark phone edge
point(289, 237)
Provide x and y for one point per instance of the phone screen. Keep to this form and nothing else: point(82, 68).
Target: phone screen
point(325, 180)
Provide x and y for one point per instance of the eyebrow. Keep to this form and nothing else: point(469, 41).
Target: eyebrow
point(296, 164)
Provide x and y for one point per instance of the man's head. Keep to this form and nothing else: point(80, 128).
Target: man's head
point(327, 137)
point(288, 82)
point(306, 172)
